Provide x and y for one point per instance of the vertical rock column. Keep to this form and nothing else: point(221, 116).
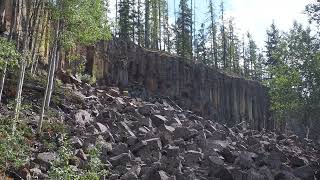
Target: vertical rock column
point(210, 93)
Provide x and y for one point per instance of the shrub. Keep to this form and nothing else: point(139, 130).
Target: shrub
point(62, 169)
point(14, 148)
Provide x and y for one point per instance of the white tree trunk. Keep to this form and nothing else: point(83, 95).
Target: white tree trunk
point(50, 80)
point(25, 19)
point(56, 59)
point(3, 79)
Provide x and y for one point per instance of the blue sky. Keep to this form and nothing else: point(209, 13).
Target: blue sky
point(254, 16)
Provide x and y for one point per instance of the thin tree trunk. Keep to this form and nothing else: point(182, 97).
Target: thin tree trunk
point(23, 64)
point(47, 96)
point(44, 25)
point(37, 21)
point(191, 33)
point(3, 78)
point(147, 24)
point(56, 60)
point(116, 25)
point(159, 8)
point(1, 13)
point(20, 85)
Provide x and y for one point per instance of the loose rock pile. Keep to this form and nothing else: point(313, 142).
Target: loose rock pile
point(157, 140)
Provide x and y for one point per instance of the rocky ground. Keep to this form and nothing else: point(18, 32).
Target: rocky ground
point(159, 140)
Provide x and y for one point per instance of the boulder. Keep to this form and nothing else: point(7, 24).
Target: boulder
point(46, 159)
point(255, 175)
point(185, 133)
point(245, 160)
point(83, 117)
point(158, 120)
point(121, 159)
point(285, 175)
point(297, 161)
point(304, 172)
point(146, 110)
point(221, 172)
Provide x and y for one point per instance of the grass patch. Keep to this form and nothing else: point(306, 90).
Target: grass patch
point(14, 148)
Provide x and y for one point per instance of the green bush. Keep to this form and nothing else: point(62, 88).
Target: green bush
point(62, 169)
point(86, 78)
point(14, 148)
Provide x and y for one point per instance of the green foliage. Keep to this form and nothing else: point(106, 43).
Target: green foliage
point(78, 64)
point(183, 30)
point(86, 78)
point(283, 89)
point(85, 21)
point(8, 54)
point(313, 11)
point(294, 65)
point(62, 169)
point(201, 49)
point(124, 21)
point(54, 127)
point(14, 148)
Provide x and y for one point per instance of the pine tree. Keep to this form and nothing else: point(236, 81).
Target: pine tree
point(245, 59)
point(258, 69)
point(140, 26)
point(166, 27)
point(133, 16)
point(155, 24)
point(201, 49)
point(252, 55)
point(232, 49)
point(124, 19)
point(313, 11)
point(147, 24)
point(213, 35)
point(183, 31)
point(272, 44)
point(223, 38)
point(160, 7)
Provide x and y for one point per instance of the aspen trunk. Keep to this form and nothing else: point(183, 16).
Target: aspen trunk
point(3, 78)
point(50, 80)
point(25, 26)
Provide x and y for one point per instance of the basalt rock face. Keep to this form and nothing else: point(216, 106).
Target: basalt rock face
point(204, 90)
point(155, 139)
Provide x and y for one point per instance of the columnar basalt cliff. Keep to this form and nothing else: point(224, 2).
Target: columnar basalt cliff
point(212, 94)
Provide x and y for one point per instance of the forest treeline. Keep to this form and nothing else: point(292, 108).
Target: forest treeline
point(213, 42)
point(50, 30)
point(288, 64)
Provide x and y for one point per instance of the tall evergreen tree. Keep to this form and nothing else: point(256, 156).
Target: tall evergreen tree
point(258, 69)
point(124, 19)
point(232, 49)
point(140, 26)
point(200, 48)
point(155, 24)
point(166, 27)
point(183, 30)
point(313, 11)
point(272, 48)
point(213, 35)
point(223, 37)
point(245, 59)
point(252, 55)
point(147, 24)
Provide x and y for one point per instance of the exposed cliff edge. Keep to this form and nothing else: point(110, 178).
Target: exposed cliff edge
point(204, 90)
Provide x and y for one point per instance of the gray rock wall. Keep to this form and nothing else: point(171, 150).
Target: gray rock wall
point(210, 93)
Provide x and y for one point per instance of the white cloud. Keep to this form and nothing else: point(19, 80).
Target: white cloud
point(256, 16)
